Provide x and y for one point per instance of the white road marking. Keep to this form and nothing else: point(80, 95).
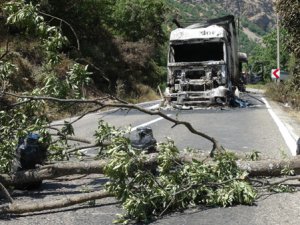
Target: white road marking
point(139, 104)
point(286, 134)
point(85, 151)
point(148, 123)
point(156, 106)
point(150, 102)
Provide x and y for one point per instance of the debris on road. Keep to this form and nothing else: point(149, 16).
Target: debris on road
point(144, 139)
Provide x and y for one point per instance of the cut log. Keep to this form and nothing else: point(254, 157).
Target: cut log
point(270, 167)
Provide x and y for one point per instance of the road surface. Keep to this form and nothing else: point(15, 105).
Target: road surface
point(238, 129)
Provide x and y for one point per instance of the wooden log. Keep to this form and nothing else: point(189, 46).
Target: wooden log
point(270, 167)
point(53, 171)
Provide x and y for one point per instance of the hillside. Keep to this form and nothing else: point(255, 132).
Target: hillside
point(260, 12)
point(256, 16)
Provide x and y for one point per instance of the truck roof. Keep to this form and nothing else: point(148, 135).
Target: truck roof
point(184, 34)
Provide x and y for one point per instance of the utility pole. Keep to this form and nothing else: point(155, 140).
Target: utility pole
point(278, 45)
point(239, 23)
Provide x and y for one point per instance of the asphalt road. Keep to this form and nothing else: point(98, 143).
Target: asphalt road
point(238, 129)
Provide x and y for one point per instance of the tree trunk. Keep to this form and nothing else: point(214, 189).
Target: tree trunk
point(254, 168)
point(52, 171)
point(270, 167)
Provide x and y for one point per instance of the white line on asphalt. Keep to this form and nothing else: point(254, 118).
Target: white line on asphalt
point(286, 134)
point(150, 122)
point(139, 104)
point(150, 102)
point(85, 151)
point(156, 106)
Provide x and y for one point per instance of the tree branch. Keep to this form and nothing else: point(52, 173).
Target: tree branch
point(29, 207)
point(123, 104)
point(269, 167)
point(74, 138)
point(6, 51)
point(68, 24)
point(285, 180)
point(86, 113)
point(96, 68)
point(6, 193)
point(82, 148)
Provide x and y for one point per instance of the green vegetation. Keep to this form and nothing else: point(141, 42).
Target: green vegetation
point(122, 41)
point(57, 59)
point(252, 27)
point(246, 45)
point(86, 49)
point(284, 93)
point(266, 53)
point(147, 193)
point(259, 86)
point(290, 14)
point(288, 92)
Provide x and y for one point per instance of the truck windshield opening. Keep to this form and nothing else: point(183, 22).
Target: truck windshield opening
point(197, 52)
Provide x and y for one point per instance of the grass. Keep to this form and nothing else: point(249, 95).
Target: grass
point(143, 93)
point(257, 86)
point(283, 93)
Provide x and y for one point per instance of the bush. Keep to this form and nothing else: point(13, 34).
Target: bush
point(283, 93)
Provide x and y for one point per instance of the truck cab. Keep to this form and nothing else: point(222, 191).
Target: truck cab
point(203, 63)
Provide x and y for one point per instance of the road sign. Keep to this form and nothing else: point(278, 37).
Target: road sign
point(275, 73)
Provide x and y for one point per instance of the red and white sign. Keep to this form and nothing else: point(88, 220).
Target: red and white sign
point(275, 73)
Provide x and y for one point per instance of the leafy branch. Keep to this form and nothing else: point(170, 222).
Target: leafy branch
point(68, 24)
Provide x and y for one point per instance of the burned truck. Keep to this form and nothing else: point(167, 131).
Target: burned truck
point(203, 63)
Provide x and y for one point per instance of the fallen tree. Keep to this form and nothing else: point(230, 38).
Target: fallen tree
point(267, 168)
point(193, 175)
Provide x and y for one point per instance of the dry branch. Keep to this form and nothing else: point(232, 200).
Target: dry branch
point(29, 207)
point(118, 103)
point(6, 194)
point(6, 51)
point(68, 24)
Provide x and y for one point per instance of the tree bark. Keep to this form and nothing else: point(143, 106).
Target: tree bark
point(52, 171)
point(270, 167)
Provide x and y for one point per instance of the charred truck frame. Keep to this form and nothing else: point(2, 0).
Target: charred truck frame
point(204, 65)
